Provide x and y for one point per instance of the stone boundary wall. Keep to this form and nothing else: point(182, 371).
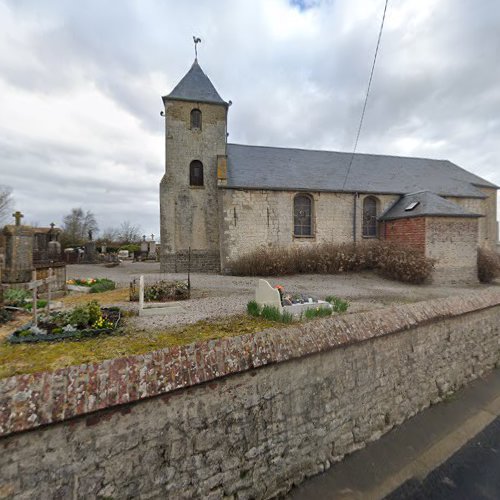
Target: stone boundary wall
point(268, 409)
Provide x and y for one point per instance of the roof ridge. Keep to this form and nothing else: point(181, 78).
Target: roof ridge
point(343, 152)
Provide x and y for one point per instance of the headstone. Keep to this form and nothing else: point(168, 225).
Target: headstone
point(104, 249)
point(18, 252)
point(266, 295)
point(90, 251)
point(123, 254)
point(152, 250)
point(144, 247)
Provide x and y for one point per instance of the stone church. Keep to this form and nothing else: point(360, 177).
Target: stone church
point(223, 200)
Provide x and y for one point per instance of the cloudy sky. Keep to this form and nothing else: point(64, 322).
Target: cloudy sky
point(80, 87)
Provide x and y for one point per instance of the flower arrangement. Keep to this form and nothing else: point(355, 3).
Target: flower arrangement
point(82, 321)
point(96, 285)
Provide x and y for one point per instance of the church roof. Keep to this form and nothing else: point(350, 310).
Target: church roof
point(424, 204)
point(261, 167)
point(195, 86)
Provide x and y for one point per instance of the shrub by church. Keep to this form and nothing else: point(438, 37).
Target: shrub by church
point(224, 200)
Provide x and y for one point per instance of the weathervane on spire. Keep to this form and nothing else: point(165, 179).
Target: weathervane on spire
point(196, 41)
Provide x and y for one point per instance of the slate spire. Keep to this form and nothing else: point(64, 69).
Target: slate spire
point(195, 86)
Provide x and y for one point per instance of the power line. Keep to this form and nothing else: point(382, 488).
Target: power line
point(367, 94)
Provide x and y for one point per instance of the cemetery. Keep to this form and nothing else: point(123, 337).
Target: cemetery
point(106, 339)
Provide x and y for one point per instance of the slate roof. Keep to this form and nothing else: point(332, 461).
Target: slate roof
point(195, 86)
point(262, 167)
point(428, 204)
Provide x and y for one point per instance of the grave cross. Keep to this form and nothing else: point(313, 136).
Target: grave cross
point(143, 237)
point(152, 237)
point(18, 216)
point(34, 285)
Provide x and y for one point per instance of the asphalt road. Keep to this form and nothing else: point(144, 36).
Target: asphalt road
point(473, 472)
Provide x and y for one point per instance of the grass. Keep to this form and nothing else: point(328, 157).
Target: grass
point(317, 312)
point(32, 358)
point(104, 298)
point(339, 305)
point(270, 313)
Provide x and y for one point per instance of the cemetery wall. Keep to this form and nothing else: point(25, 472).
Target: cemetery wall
point(251, 414)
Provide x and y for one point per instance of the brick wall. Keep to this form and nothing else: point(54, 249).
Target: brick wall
point(409, 232)
point(230, 416)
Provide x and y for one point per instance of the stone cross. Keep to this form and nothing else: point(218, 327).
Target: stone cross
point(152, 237)
point(34, 285)
point(143, 237)
point(18, 216)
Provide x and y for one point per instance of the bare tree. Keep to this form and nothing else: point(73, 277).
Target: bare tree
point(78, 227)
point(129, 233)
point(6, 203)
point(110, 235)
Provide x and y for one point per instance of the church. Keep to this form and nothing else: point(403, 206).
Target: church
point(219, 201)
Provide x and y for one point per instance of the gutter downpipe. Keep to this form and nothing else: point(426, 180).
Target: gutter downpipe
point(354, 214)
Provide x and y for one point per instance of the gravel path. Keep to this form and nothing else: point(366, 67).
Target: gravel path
point(217, 295)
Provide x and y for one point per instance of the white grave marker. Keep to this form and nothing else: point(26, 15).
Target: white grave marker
point(266, 295)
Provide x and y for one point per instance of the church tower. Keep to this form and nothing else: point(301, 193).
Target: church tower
point(195, 139)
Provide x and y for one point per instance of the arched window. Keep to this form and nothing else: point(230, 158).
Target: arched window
point(196, 119)
point(196, 173)
point(302, 215)
point(370, 217)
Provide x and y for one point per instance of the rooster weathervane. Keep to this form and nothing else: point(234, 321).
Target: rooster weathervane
point(196, 41)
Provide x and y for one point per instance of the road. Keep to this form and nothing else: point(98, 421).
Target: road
point(471, 473)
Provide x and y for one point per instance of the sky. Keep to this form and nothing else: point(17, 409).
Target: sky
point(81, 86)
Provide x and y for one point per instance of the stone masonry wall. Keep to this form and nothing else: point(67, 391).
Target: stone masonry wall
point(453, 242)
point(409, 232)
point(488, 226)
point(189, 215)
point(253, 218)
point(243, 417)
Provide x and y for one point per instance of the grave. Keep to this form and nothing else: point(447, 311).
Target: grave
point(266, 295)
point(34, 285)
point(163, 308)
point(18, 252)
point(28, 249)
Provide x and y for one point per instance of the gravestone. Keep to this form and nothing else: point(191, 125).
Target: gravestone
point(90, 252)
point(18, 252)
point(266, 295)
point(144, 248)
point(152, 250)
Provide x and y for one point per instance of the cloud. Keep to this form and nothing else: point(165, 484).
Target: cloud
point(80, 87)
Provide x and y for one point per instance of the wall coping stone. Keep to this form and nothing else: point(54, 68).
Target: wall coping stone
point(33, 400)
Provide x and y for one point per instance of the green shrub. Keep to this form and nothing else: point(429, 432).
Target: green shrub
point(317, 312)
point(253, 308)
point(339, 305)
point(393, 261)
point(5, 316)
point(488, 265)
point(85, 315)
point(102, 285)
point(16, 298)
point(40, 304)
